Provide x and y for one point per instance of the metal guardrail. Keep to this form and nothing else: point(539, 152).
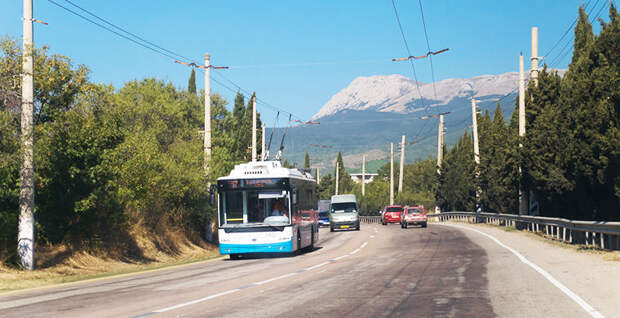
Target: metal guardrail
point(604, 235)
point(370, 218)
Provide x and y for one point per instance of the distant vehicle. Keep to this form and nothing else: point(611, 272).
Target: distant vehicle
point(324, 212)
point(343, 212)
point(391, 214)
point(264, 207)
point(413, 215)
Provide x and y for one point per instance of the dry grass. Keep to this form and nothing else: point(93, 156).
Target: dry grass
point(145, 251)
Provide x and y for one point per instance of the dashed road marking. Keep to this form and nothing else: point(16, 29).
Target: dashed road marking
point(193, 302)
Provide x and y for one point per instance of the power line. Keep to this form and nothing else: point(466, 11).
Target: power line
point(258, 100)
point(151, 46)
point(563, 51)
point(127, 32)
point(428, 46)
point(570, 27)
point(566, 48)
point(110, 30)
point(415, 76)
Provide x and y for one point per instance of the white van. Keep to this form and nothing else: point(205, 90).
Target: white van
point(344, 212)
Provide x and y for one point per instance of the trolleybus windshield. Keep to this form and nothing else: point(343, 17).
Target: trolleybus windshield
point(255, 207)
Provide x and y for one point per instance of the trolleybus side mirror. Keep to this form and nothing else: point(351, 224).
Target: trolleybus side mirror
point(212, 195)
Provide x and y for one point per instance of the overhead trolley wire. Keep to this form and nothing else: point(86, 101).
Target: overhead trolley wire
point(563, 51)
point(570, 27)
point(428, 46)
point(115, 32)
point(566, 48)
point(127, 32)
point(415, 76)
point(152, 47)
point(258, 100)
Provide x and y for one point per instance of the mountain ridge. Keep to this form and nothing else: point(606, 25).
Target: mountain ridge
point(399, 94)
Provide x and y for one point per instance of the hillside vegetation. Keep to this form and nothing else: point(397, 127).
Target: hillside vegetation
point(113, 166)
point(571, 151)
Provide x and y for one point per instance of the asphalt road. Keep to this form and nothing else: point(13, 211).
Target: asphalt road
point(380, 271)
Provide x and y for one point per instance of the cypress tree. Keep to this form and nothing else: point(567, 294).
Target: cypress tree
point(239, 145)
point(191, 84)
point(345, 184)
point(456, 190)
point(307, 161)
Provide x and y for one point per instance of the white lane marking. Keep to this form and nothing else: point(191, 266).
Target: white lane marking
point(582, 303)
point(372, 236)
point(258, 283)
point(339, 257)
point(275, 278)
point(197, 300)
point(316, 266)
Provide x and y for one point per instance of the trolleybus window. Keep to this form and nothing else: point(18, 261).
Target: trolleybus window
point(255, 207)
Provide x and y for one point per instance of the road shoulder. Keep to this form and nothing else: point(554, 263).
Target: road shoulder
point(593, 278)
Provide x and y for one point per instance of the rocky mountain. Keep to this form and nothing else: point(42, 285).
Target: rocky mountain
point(399, 94)
point(373, 111)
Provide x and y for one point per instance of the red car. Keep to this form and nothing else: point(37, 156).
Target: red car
point(391, 214)
point(413, 215)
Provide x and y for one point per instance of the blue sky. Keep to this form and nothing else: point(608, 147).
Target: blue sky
point(297, 54)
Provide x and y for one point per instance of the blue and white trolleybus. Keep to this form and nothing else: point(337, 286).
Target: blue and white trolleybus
point(264, 208)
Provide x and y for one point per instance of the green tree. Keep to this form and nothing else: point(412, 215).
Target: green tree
point(456, 189)
point(307, 161)
point(326, 187)
point(191, 84)
point(345, 184)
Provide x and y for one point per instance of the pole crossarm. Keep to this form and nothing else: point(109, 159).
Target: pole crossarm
point(411, 57)
point(194, 65)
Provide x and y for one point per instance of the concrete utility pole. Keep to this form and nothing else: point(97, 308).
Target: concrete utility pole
point(534, 58)
point(253, 128)
point(440, 144)
point(532, 203)
point(522, 199)
point(337, 174)
point(318, 179)
point(391, 173)
point(402, 164)
point(25, 236)
point(207, 137)
point(474, 121)
point(207, 140)
point(262, 155)
point(363, 175)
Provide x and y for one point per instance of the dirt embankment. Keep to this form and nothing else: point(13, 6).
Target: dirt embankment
point(137, 250)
